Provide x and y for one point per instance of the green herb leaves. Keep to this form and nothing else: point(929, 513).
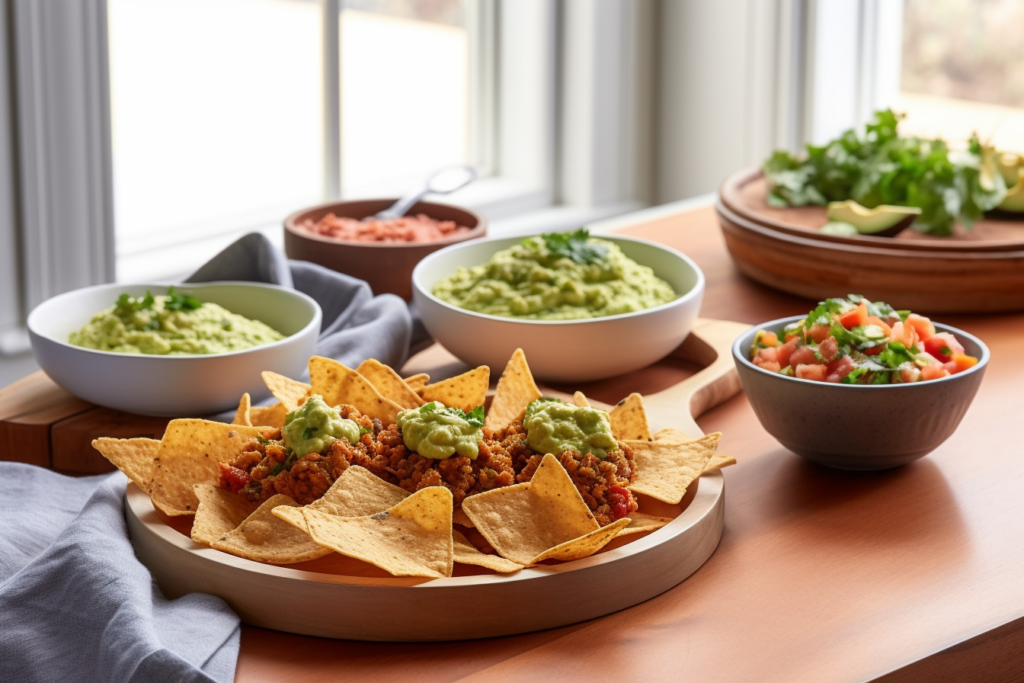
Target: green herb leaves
point(474, 417)
point(575, 246)
point(175, 302)
point(880, 167)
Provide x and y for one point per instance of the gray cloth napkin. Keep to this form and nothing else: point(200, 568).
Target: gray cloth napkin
point(75, 603)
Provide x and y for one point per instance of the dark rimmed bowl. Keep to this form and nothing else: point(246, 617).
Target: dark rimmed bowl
point(858, 427)
point(386, 266)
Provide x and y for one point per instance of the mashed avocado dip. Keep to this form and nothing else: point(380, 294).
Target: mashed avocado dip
point(555, 427)
point(176, 324)
point(562, 276)
point(314, 426)
point(437, 432)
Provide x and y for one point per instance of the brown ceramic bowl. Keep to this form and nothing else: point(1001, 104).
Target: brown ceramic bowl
point(386, 266)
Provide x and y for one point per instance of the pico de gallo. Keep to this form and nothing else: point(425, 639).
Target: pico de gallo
point(856, 341)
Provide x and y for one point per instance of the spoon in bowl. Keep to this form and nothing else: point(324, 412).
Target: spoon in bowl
point(444, 181)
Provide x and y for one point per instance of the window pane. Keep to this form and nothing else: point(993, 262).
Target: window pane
point(404, 91)
point(217, 116)
point(963, 70)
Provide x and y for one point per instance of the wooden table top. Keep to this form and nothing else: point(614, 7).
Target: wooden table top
point(907, 575)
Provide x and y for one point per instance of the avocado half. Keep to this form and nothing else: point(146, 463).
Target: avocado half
point(881, 221)
point(1011, 166)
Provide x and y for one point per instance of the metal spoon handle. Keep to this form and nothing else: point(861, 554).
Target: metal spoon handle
point(402, 206)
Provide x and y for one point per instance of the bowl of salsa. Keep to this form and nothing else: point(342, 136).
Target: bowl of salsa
point(344, 237)
point(856, 384)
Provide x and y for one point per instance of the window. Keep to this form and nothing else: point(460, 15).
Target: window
point(963, 70)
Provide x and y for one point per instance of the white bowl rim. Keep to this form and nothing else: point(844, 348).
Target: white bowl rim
point(779, 323)
point(695, 291)
point(315, 320)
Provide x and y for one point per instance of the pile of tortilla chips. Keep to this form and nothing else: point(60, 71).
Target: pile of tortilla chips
point(367, 518)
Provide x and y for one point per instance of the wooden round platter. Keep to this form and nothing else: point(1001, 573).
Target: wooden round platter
point(981, 271)
point(338, 597)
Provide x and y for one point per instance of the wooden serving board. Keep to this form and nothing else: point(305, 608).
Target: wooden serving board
point(969, 272)
point(338, 597)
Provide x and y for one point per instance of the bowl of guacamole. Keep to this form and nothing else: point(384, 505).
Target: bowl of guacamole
point(185, 351)
point(582, 307)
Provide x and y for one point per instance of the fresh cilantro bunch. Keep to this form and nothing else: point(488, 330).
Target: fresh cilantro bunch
point(880, 167)
point(474, 417)
point(575, 246)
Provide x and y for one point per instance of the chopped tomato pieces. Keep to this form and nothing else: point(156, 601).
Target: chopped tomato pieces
point(815, 372)
point(618, 501)
point(943, 346)
point(803, 356)
point(232, 478)
point(934, 371)
point(828, 348)
point(922, 325)
point(855, 317)
point(838, 369)
point(783, 353)
point(818, 333)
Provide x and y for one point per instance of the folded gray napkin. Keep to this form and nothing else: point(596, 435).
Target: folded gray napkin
point(75, 603)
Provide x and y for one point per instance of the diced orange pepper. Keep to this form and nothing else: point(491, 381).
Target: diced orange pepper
point(855, 316)
point(961, 362)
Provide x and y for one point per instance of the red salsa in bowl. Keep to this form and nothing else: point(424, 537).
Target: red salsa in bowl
point(857, 341)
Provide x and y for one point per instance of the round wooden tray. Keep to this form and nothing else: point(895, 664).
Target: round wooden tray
point(977, 272)
point(338, 597)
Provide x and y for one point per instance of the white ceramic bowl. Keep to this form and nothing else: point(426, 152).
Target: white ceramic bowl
point(174, 386)
point(562, 351)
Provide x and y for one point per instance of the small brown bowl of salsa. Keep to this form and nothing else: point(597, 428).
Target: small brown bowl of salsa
point(383, 253)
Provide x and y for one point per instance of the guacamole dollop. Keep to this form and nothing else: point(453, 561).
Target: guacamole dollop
point(176, 324)
point(314, 426)
point(435, 431)
point(562, 276)
point(555, 427)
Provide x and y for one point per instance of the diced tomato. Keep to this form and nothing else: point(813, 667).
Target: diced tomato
point(792, 334)
point(817, 333)
point(766, 355)
point(943, 346)
point(922, 325)
point(908, 375)
point(813, 372)
point(618, 500)
point(783, 353)
point(770, 366)
point(769, 339)
point(873, 351)
point(840, 368)
point(934, 371)
point(232, 478)
point(803, 356)
point(828, 348)
point(904, 334)
point(855, 316)
point(960, 363)
point(875, 320)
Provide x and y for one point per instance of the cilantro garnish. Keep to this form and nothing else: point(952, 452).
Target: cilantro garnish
point(181, 302)
point(575, 246)
point(474, 417)
point(878, 166)
point(132, 304)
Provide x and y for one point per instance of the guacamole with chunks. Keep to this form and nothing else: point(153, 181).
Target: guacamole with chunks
point(555, 427)
point(438, 432)
point(172, 325)
point(561, 276)
point(314, 426)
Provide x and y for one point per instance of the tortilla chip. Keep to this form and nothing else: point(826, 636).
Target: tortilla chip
point(460, 517)
point(268, 416)
point(219, 512)
point(584, 546)
point(465, 391)
point(242, 414)
point(629, 419)
point(516, 389)
point(641, 523)
point(413, 538)
point(265, 538)
point(338, 384)
point(135, 457)
point(580, 400)
point(291, 393)
point(523, 521)
point(665, 468)
point(389, 384)
point(189, 454)
point(466, 553)
point(718, 461)
point(356, 493)
point(418, 381)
